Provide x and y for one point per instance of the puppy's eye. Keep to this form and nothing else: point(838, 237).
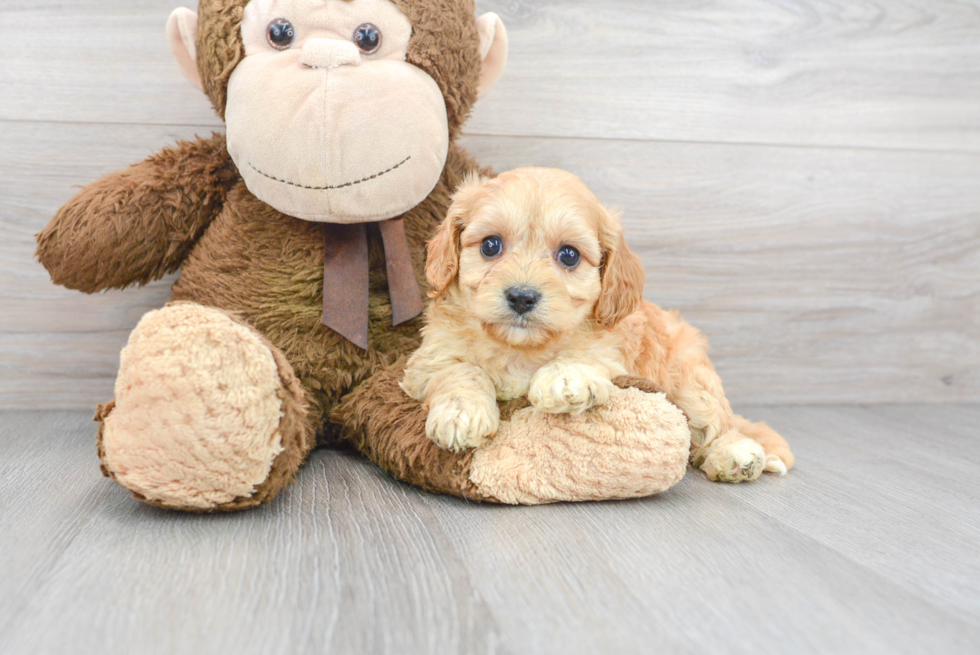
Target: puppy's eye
point(568, 257)
point(491, 247)
point(367, 37)
point(280, 34)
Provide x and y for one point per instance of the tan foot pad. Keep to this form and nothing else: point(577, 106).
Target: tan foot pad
point(635, 445)
point(197, 416)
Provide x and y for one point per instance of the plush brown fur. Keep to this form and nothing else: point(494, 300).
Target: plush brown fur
point(268, 269)
point(136, 225)
point(188, 208)
point(395, 438)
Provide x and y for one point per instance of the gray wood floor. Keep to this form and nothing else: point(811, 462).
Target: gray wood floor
point(871, 546)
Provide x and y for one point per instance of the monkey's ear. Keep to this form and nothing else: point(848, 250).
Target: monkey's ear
point(493, 51)
point(182, 36)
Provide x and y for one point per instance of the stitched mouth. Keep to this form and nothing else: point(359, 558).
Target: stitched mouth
point(334, 186)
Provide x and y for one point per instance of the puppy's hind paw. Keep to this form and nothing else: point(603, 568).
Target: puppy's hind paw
point(459, 423)
point(568, 388)
point(741, 460)
point(774, 464)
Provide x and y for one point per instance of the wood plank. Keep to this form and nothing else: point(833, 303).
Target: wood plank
point(50, 486)
point(903, 74)
point(95, 62)
point(894, 490)
point(820, 275)
point(687, 575)
point(840, 556)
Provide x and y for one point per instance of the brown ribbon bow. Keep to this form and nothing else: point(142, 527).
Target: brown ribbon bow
point(345, 278)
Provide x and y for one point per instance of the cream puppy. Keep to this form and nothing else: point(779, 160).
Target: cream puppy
point(536, 293)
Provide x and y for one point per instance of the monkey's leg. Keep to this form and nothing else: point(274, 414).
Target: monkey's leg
point(138, 224)
point(635, 445)
point(208, 415)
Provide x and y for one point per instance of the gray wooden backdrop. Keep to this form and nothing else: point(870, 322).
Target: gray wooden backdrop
point(801, 177)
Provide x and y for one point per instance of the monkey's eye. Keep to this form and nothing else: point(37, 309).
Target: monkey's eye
point(367, 37)
point(568, 257)
point(280, 34)
point(491, 247)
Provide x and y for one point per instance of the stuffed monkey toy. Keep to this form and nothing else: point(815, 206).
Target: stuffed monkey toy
point(300, 236)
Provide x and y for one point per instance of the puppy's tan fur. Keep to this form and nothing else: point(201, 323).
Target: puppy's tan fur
point(591, 324)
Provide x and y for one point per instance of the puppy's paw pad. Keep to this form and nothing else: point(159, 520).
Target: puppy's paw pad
point(738, 461)
point(568, 388)
point(458, 424)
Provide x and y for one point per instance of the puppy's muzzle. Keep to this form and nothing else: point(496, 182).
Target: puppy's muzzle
point(522, 299)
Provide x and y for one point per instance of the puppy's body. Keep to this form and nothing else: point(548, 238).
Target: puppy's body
point(553, 310)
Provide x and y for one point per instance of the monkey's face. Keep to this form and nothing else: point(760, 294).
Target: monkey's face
point(326, 120)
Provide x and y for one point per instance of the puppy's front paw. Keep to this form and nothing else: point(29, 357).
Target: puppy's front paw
point(568, 387)
point(458, 423)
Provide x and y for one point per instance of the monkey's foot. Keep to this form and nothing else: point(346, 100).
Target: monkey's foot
point(634, 445)
point(208, 415)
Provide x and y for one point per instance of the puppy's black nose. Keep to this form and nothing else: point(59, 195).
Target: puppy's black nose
point(522, 299)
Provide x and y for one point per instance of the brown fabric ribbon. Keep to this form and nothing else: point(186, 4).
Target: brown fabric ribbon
point(345, 278)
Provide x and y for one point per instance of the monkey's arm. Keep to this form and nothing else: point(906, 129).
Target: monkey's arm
point(136, 225)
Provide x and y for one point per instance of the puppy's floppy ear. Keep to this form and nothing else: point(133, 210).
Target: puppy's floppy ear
point(442, 261)
point(622, 274)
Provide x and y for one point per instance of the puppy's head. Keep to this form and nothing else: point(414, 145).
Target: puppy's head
point(533, 254)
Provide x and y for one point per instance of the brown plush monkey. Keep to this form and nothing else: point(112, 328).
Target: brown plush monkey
point(313, 211)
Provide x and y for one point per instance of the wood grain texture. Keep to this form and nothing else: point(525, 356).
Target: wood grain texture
point(869, 546)
point(870, 73)
point(820, 275)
